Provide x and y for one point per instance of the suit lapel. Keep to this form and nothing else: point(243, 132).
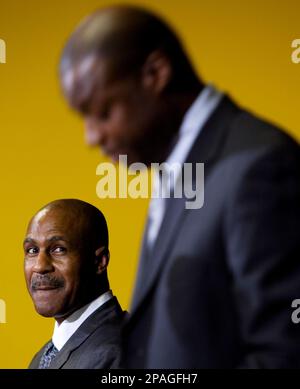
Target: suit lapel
point(83, 332)
point(204, 150)
point(144, 258)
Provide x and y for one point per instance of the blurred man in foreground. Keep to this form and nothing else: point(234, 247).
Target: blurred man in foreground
point(215, 284)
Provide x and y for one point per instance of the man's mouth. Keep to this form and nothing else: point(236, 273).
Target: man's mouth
point(45, 288)
point(46, 283)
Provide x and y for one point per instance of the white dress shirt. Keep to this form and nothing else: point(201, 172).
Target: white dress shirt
point(63, 332)
point(192, 124)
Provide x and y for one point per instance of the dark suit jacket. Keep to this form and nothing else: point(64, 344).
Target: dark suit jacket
point(96, 343)
point(216, 289)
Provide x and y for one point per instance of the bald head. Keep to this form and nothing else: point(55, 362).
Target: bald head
point(66, 257)
point(125, 71)
point(124, 36)
point(87, 220)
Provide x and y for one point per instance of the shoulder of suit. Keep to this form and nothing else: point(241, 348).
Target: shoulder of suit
point(36, 359)
point(106, 322)
point(251, 130)
point(249, 138)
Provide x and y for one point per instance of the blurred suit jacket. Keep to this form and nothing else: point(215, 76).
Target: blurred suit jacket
point(96, 343)
point(216, 289)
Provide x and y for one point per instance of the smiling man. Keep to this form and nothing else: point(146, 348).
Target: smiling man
point(66, 259)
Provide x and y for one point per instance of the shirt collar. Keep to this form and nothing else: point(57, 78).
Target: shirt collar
point(63, 332)
point(193, 122)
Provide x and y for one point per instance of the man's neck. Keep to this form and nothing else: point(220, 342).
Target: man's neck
point(181, 104)
point(81, 304)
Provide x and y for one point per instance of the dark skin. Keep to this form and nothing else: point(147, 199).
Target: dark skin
point(62, 275)
point(135, 116)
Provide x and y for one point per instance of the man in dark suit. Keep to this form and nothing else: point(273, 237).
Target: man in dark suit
point(66, 258)
point(215, 283)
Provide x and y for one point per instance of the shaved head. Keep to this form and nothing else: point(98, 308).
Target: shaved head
point(127, 74)
point(124, 36)
point(87, 219)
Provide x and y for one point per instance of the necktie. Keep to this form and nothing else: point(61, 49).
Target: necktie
point(48, 355)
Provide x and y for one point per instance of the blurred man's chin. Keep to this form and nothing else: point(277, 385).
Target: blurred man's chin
point(128, 159)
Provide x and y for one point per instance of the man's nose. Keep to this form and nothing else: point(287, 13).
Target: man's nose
point(94, 134)
point(43, 263)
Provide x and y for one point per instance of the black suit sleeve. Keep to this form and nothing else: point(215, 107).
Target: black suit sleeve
point(263, 251)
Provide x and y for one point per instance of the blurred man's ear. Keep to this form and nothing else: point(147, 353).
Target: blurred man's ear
point(156, 72)
point(102, 259)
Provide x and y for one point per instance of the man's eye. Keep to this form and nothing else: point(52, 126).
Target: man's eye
point(59, 250)
point(32, 250)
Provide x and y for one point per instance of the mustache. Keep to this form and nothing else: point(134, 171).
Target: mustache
point(46, 281)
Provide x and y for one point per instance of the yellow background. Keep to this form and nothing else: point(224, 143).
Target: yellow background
point(243, 47)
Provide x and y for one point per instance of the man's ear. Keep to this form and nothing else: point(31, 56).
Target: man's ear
point(156, 72)
point(101, 259)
